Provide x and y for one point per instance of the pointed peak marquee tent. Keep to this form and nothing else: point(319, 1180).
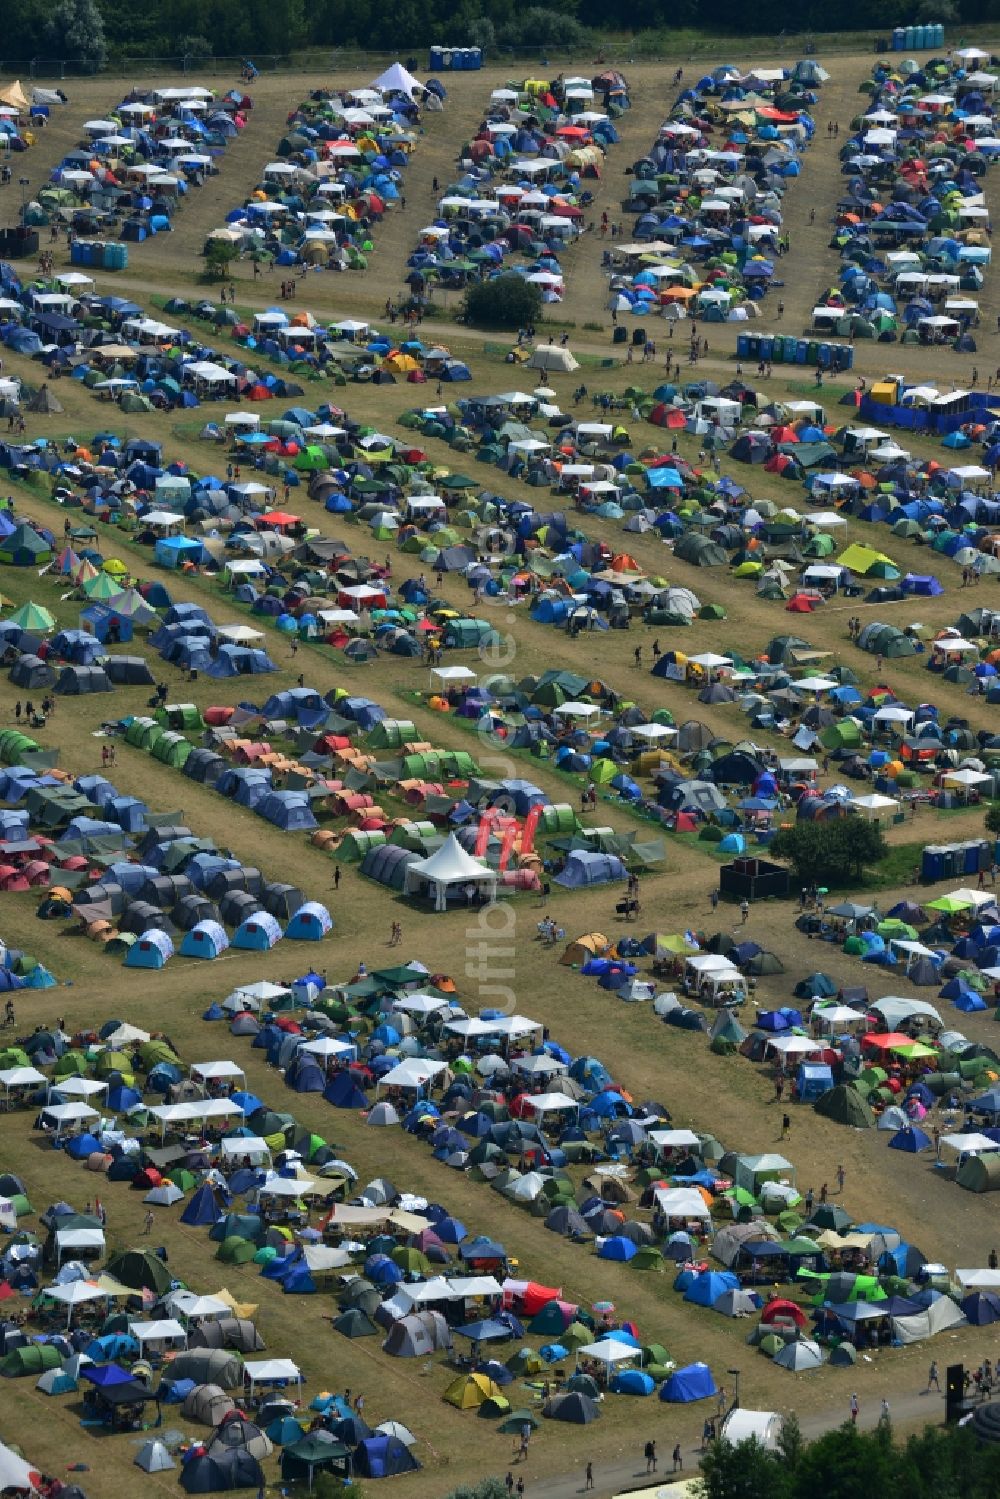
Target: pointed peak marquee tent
point(450, 871)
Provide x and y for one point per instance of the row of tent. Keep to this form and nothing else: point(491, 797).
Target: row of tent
point(913, 225)
point(131, 169)
point(707, 198)
point(337, 170)
point(519, 196)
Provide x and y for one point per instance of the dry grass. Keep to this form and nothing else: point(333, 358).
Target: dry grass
point(728, 1096)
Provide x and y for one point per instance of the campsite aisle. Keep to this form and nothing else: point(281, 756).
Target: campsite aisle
point(909, 1411)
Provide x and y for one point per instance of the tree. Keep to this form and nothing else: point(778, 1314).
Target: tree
point(75, 30)
point(830, 853)
point(744, 1471)
point(219, 256)
point(505, 302)
point(486, 1488)
point(993, 818)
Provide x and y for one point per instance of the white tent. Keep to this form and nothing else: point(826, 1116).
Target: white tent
point(763, 1427)
point(681, 1202)
point(412, 1073)
point(450, 868)
point(396, 80)
point(271, 1371)
point(551, 357)
point(938, 1317)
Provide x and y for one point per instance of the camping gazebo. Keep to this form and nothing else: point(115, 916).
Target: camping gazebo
point(450, 869)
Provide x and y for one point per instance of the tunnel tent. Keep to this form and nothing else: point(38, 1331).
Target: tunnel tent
point(310, 923)
point(208, 939)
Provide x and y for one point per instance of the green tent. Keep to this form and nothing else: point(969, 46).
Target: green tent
point(844, 734)
point(140, 1269)
point(33, 1358)
point(845, 1105)
point(179, 716)
point(34, 617)
point(235, 1251)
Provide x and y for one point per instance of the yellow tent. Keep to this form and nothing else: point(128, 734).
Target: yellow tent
point(14, 96)
point(468, 1391)
point(860, 559)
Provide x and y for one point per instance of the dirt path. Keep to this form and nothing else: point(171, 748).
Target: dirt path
point(906, 1408)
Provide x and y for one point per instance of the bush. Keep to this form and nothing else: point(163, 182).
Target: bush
point(541, 27)
point(219, 256)
point(830, 853)
point(505, 302)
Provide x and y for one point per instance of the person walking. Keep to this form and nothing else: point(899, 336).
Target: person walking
point(855, 1409)
point(336, 877)
point(786, 1125)
point(744, 911)
point(841, 1178)
point(678, 1459)
point(932, 1378)
point(589, 1477)
point(884, 1417)
point(509, 1483)
point(649, 1452)
point(147, 1226)
point(520, 1488)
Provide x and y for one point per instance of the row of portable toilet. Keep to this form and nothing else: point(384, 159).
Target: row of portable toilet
point(781, 348)
point(456, 59)
point(917, 38)
point(104, 254)
point(948, 861)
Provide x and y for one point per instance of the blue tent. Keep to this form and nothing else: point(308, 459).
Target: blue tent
point(383, 1457)
point(258, 933)
point(205, 940)
point(343, 1092)
point(705, 1289)
point(815, 1079)
point(693, 1382)
point(153, 949)
point(981, 1307)
point(633, 1382)
point(584, 868)
point(172, 551)
point(617, 1248)
point(202, 1210)
point(310, 923)
point(910, 1139)
point(289, 810)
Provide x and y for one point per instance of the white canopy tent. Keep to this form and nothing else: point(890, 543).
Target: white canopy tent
point(450, 868)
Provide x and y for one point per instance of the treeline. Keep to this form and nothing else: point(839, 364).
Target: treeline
point(96, 30)
point(940, 1463)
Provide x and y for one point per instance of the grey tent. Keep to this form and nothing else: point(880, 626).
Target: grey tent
point(206, 1403)
point(32, 671)
point(209, 1366)
point(129, 671)
point(44, 403)
point(75, 681)
point(700, 551)
point(152, 1456)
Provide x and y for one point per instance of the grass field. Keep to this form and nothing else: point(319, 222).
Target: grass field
point(729, 1096)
